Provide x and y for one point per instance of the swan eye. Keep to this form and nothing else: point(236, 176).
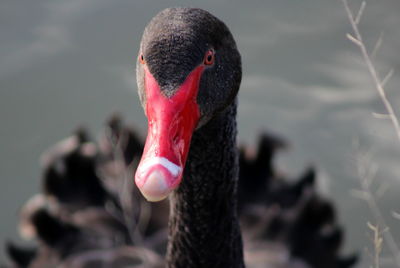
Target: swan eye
point(209, 57)
point(141, 59)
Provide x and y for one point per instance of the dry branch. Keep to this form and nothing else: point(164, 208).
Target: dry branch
point(357, 39)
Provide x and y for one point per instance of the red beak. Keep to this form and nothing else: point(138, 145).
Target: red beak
point(171, 122)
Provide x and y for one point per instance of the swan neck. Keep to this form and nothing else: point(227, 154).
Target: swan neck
point(204, 229)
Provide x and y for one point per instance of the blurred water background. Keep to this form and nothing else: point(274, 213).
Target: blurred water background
point(70, 63)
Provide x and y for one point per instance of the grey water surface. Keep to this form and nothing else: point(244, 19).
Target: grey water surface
point(70, 63)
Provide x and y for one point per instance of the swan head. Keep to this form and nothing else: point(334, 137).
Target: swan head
point(188, 70)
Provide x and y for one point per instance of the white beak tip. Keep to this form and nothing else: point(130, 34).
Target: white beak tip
point(155, 187)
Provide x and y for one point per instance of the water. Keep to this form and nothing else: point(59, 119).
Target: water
point(63, 64)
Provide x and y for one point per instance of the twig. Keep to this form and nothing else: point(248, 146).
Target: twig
point(378, 240)
point(360, 12)
point(366, 171)
point(357, 39)
point(379, 85)
point(380, 116)
point(387, 77)
point(125, 191)
point(377, 46)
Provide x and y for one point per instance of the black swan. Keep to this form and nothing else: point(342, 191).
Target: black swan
point(188, 73)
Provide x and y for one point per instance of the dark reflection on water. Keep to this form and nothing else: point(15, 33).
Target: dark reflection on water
point(63, 64)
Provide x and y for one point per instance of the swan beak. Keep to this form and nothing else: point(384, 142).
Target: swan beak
point(171, 122)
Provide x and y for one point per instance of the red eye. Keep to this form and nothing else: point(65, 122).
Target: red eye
point(141, 59)
point(209, 57)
